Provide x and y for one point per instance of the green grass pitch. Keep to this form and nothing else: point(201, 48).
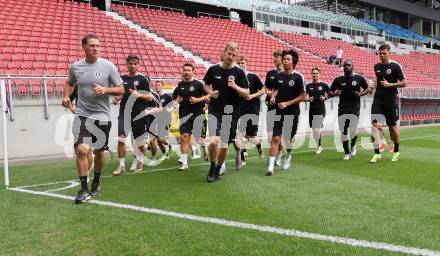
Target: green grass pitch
point(396, 203)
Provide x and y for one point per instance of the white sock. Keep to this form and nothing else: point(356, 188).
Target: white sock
point(140, 158)
point(278, 155)
point(153, 158)
point(185, 159)
point(122, 162)
point(271, 162)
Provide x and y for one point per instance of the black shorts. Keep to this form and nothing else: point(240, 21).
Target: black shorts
point(151, 126)
point(248, 123)
point(347, 120)
point(223, 125)
point(287, 126)
point(384, 113)
point(92, 132)
point(316, 118)
point(194, 124)
point(139, 127)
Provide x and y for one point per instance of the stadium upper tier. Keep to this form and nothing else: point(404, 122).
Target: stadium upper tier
point(207, 37)
point(44, 38)
point(395, 30)
point(296, 11)
point(417, 73)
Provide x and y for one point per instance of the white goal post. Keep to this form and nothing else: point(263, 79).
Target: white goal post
point(5, 136)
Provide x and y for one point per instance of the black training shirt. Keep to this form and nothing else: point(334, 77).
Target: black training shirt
point(217, 77)
point(269, 82)
point(289, 87)
point(255, 85)
point(348, 101)
point(140, 83)
point(392, 72)
point(186, 90)
point(315, 91)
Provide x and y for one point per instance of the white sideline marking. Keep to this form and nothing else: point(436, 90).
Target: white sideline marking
point(421, 137)
point(201, 164)
point(72, 185)
point(155, 170)
point(125, 174)
point(269, 229)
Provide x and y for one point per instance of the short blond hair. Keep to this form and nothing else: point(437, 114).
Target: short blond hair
point(277, 53)
point(231, 46)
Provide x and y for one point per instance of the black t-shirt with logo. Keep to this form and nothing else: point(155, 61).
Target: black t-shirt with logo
point(186, 90)
point(316, 91)
point(392, 72)
point(289, 87)
point(270, 80)
point(140, 83)
point(255, 85)
point(217, 77)
point(349, 103)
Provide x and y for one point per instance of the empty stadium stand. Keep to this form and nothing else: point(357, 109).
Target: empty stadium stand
point(297, 11)
point(395, 30)
point(43, 38)
point(425, 63)
point(364, 59)
point(191, 33)
point(343, 7)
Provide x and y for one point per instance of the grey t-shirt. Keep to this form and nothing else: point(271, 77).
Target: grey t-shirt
point(84, 75)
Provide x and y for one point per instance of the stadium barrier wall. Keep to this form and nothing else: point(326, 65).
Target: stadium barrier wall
point(42, 127)
point(30, 135)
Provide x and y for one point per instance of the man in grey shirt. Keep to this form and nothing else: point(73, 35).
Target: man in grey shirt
point(96, 79)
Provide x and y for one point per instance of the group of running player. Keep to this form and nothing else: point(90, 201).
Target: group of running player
point(231, 95)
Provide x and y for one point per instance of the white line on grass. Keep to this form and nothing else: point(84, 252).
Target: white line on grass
point(269, 229)
point(149, 171)
point(72, 185)
point(130, 173)
point(421, 137)
point(194, 165)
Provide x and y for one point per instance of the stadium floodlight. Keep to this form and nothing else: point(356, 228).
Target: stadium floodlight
point(5, 137)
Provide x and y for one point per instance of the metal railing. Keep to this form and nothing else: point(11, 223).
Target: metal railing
point(420, 92)
point(29, 90)
point(32, 90)
point(205, 14)
point(149, 6)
